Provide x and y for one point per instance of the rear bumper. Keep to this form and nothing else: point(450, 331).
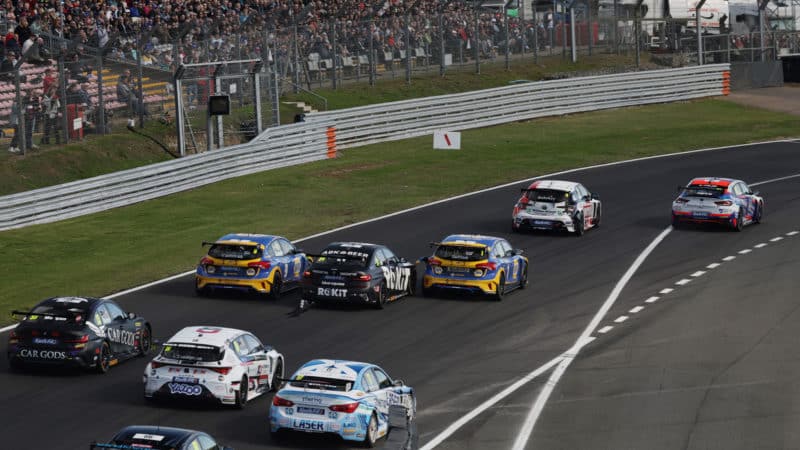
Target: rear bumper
point(25, 356)
point(353, 297)
point(456, 284)
point(717, 218)
point(535, 222)
point(213, 392)
point(350, 427)
point(262, 285)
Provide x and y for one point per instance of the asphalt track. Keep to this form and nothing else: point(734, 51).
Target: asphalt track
point(458, 352)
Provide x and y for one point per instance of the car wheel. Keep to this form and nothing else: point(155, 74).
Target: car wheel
point(275, 384)
point(381, 301)
point(676, 223)
point(277, 285)
point(514, 227)
point(201, 292)
point(372, 432)
point(412, 283)
point(104, 359)
point(759, 213)
point(145, 341)
point(428, 292)
point(578, 225)
point(15, 365)
point(599, 216)
point(241, 395)
point(523, 280)
point(739, 221)
point(501, 288)
point(278, 436)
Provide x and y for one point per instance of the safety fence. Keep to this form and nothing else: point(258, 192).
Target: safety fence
point(324, 133)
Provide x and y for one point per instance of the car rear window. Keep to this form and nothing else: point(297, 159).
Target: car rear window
point(462, 252)
point(192, 352)
point(321, 383)
point(343, 257)
point(235, 251)
point(703, 191)
point(547, 195)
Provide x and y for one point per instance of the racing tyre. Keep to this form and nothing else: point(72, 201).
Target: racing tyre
point(599, 216)
point(275, 385)
point(579, 225)
point(427, 292)
point(372, 432)
point(277, 285)
point(241, 395)
point(278, 436)
point(15, 365)
point(514, 228)
point(412, 283)
point(104, 359)
point(523, 280)
point(145, 341)
point(759, 213)
point(739, 221)
point(201, 292)
point(381, 300)
point(501, 288)
point(676, 223)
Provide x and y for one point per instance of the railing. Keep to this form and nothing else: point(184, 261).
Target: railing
point(410, 118)
point(315, 139)
point(276, 147)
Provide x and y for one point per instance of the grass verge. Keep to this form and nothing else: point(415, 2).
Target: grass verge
point(113, 250)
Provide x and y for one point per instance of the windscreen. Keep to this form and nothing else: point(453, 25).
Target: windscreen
point(547, 195)
point(234, 251)
point(462, 252)
point(703, 191)
point(343, 258)
point(193, 353)
point(328, 384)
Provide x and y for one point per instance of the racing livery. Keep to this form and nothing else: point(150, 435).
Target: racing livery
point(476, 263)
point(722, 201)
point(137, 437)
point(251, 262)
point(80, 332)
point(556, 205)
point(353, 272)
point(350, 399)
point(213, 363)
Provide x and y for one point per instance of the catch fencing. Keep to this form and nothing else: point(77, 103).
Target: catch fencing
point(323, 133)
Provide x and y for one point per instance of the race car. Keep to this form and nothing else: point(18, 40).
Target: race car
point(722, 201)
point(556, 205)
point(475, 263)
point(347, 398)
point(137, 437)
point(218, 364)
point(354, 272)
point(259, 263)
point(79, 332)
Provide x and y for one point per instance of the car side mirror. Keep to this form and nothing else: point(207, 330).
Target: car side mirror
point(403, 260)
point(131, 315)
point(754, 192)
point(399, 383)
point(595, 197)
point(424, 259)
point(298, 251)
point(260, 357)
point(517, 251)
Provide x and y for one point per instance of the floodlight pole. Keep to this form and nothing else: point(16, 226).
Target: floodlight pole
point(699, 32)
point(637, 31)
point(762, 17)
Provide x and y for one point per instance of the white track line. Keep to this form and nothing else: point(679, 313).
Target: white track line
point(713, 265)
point(792, 233)
point(620, 319)
point(605, 329)
point(745, 251)
point(699, 273)
point(652, 299)
point(729, 258)
point(683, 282)
point(760, 245)
point(636, 309)
point(569, 356)
point(666, 291)
point(776, 239)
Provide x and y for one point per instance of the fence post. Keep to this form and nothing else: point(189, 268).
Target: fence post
point(296, 55)
point(699, 32)
point(20, 132)
point(101, 108)
point(572, 44)
point(535, 33)
point(589, 28)
point(63, 94)
point(371, 52)
point(220, 125)
point(334, 51)
point(179, 118)
point(508, 40)
point(408, 49)
point(257, 95)
point(442, 66)
point(140, 104)
point(476, 40)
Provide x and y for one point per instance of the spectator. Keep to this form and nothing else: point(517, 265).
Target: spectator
point(51, 107)
point(7, 67)
point(126, 95)
point(31, 106)
point(22, 31)
point(48, 80)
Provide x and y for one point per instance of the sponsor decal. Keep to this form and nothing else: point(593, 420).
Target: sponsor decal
point(70, 300)
point(42, 354)
point(331, 292)
point(148, 437)
point(308, 425)
point(316, 400)
point(120, 336)
point(45, 341)
point(208, 330)
point(397, 278)
point(308, 410)
point(95, 329)
point(184, 389)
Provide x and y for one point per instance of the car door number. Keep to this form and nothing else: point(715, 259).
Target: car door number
point(396, 277)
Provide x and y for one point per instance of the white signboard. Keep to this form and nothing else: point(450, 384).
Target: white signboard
point(710, 13)
point(447, 140)
point(77, 124)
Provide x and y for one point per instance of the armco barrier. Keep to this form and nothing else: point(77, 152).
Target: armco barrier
point(324, 134)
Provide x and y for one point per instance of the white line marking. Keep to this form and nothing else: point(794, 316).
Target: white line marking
point(792, 233)
point(761, 245)
point(699, 273)
point(713, 265)
point(729, 258)
point(569, 356)
point(789, 177)
point(636, 309)
point(745, 251)
point(776, 239)
point(652, 299)
point(4, 329)
point(588, 340)
point(620, 319)
point(605, 329)
point(666, 291)
point(683, 282)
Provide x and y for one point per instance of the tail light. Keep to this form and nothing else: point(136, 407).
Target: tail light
point(55, 334)
point(724, 203)
point(522, 203)
point(155, 365)
point(486, 266)
point(278, 401)
point(681, 200)
point(220, 370)
point(13, 338)
point(81, 340)
point(307, 274)
point(206, 261)
point(361, 276)
point(348, 408)
point(434, 262)
point(260, 264)
point(34, 332)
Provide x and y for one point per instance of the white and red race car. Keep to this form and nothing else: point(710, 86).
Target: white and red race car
point(213, 363)
point(556, 205)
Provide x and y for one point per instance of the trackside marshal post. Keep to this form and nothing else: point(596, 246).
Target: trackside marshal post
point(447, 140)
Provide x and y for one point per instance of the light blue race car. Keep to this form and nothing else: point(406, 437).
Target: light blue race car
point(351, 399)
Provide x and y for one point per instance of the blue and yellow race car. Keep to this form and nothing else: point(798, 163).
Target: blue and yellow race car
point(258, 263)
point(482, 264)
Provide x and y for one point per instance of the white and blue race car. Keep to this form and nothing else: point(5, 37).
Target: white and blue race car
point(347, 398)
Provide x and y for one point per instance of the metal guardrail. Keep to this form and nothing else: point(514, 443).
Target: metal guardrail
point(314, 140)
point(410, 118)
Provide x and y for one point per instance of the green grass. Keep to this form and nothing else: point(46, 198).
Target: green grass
point(110, 251)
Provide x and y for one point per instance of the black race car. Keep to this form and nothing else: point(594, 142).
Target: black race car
point(77, 331)
point(137, 437)
point(353, 272)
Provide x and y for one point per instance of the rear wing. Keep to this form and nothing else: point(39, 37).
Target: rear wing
point(95, 445)
point(339, 386)
point(25, 315)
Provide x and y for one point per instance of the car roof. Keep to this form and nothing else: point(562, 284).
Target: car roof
point(88, 302)
point(161, 436)
point(339, 369)
point(470, 239)
point(246, 237)
point(204, 334)
point(712, 181)
point(353, 245)
point(557, 185)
